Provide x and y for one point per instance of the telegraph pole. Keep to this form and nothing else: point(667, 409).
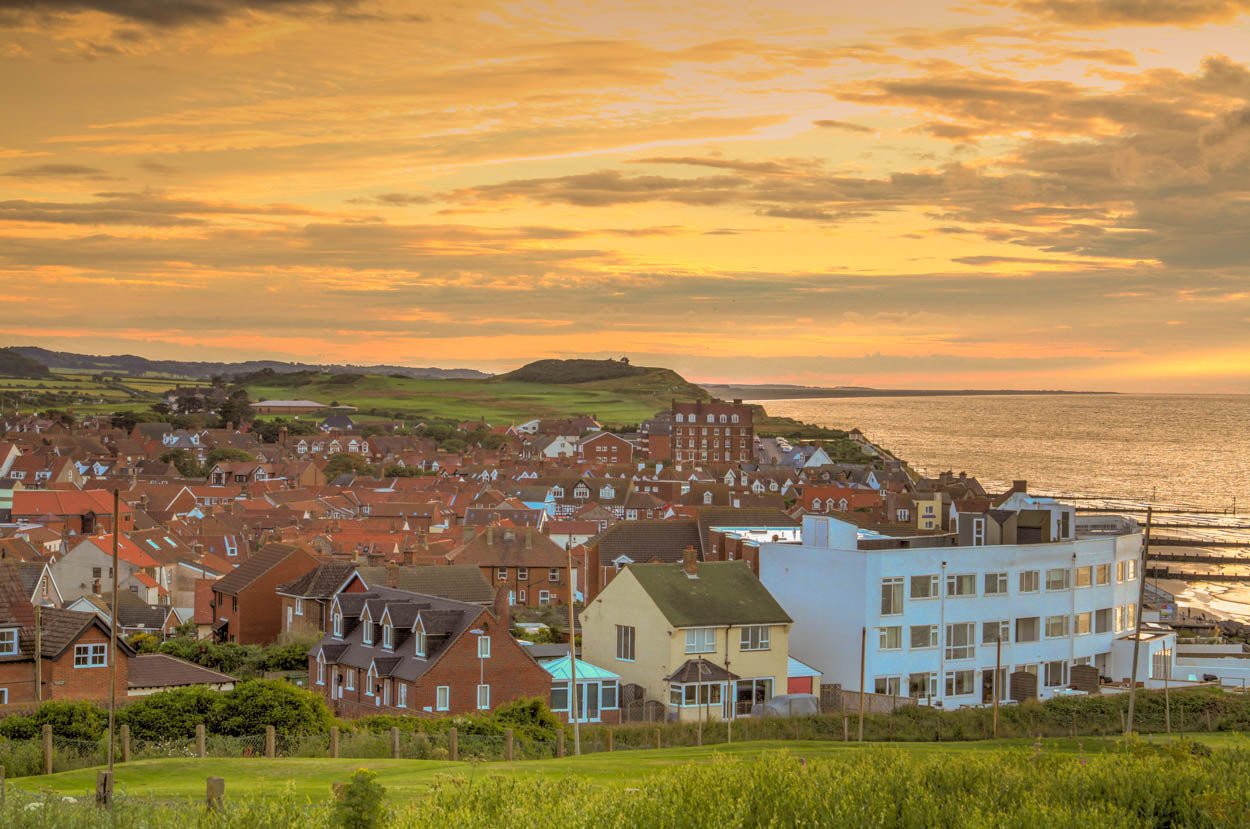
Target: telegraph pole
point(1141, 597)
point(577, 731)
point(113, 628)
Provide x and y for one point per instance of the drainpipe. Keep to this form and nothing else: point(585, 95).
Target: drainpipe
point(1072, 630)
point(941, 677)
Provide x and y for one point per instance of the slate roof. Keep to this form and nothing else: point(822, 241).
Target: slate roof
point(261, 562)
point(461, 582)
point(724, 593)
point(643, 541)
point(159, 670)
point(321, 582)
point(700, 670)
point(501, 547)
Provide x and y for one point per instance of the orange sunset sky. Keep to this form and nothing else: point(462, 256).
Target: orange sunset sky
point(1023, 194)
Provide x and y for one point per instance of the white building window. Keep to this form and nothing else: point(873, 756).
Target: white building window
point(992, 632)
point(419, 643)
point(337, 620)
point(299, 607)
point(1027, 629)
point(961, 639)
point(402, 701)
point(995, 584)
point(8, 642)
point(959, 683)
point(890, 638)
point(1084, 576)
point(755, 638)
point(522, 573)
point(924, 636)
point(625, 643)
point(442, 698)
point(701, 640)
point(1082, 623)
point(1056, 673)
point(1102, 620)
point(1102, 574)
point(483, 697)
point(483, 647)
point(923, 685)
point(544, 596)
point(961, 585)
point(388, 636)
point(1058, 578)
point(924, 587)
point(891, 597)
point(1056, 626)
point(1028, 581)
point(891, 686)
point(321, 669)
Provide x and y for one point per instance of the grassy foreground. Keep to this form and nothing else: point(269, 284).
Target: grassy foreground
point(1059, 784)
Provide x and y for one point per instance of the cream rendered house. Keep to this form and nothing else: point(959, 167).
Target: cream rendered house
point(707, 640)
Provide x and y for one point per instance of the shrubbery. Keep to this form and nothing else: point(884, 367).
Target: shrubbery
point(230, 657)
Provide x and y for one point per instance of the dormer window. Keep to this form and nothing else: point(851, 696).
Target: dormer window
point(607, 492)
point(388, 637)
point(581, 492)
point(366, 624)
point(557, 492)
point(733, 419)
point(419, 641)
point(8, 641)
point(338, 625)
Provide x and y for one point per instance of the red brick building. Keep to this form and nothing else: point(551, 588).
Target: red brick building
point(713, 432)
point(605, 447)
point(84, 512)
point(245, 605)
point(393, 651)
point(532, 567)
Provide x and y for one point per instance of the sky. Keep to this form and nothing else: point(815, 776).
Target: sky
point(1013, 194)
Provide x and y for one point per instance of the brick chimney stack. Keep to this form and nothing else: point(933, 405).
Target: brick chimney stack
point(392, 574)
point(1020, 486)
point(407, 556)
point(689, 561)
point(502, 611)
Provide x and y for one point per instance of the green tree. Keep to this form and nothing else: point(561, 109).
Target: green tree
point(344, 462)
point(171, 715)
point(362, 803)
point(227, 453)
point(184, 462)
point(256, 703)
point(237, 409)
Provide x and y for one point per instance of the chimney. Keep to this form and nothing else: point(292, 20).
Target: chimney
point(374, 558)
point(282, 436)
point(737, 401)
point(1020, 486)
point(689, 562)
point(502, 612)
point(392, 574)
point(490, 536)
point(407, 556)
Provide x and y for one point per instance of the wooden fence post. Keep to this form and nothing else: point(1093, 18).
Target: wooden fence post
point(507, 744)
point(610, 739)
point(453, 747)
point(103, 787)
point(216, 793)
point(394, 742)
point(47, 749)
point(846, 729)
point(271, 741)
point(125, 732)
point(334, 742)
point(201, 741)
point(560, 743)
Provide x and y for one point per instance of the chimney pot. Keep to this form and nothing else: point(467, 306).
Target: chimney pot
point(1020, 486)
point(689, 561)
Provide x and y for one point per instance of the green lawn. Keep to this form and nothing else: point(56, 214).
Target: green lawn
point(176, 779)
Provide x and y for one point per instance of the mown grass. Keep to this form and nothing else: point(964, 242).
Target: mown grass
point(1057, 784)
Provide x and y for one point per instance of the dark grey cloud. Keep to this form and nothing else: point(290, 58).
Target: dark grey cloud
point(59, 171)
point(393, 199)
point(842, 125)
point(1106, 13)
point(609, 187)
point(167, 13)
point(719, 163)
point(159, 167)
point(145, 209)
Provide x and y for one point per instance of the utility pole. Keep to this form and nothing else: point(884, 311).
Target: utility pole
point(998, 666)
point(863, 692)
point(577, 731)
point(1141, 597)
point(38, 653)
point(113, 640)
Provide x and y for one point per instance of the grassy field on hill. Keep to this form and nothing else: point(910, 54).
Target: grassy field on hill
point(177, 778)
point(1052, 783)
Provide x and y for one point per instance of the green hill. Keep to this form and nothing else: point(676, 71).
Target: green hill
point(573, 371)
point(13, 364)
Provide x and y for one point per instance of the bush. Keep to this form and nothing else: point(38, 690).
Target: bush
point(171, 715)
point(362, 802)
point(73, 720)
point(256, 703)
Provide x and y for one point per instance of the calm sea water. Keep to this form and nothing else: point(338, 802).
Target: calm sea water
point(1192, 450)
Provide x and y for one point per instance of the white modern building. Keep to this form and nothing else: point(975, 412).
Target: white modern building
point(935, 615)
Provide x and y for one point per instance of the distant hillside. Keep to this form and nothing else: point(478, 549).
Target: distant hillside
point(782, 392)
point(607, 375)
point(132, 365)
point(13, 364)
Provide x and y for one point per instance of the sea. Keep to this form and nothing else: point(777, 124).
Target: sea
point(1187, 455)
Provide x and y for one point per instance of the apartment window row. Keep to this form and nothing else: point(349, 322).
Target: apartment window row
point(703, 640)
point(961, 637)
point(929, 586)
point(964, 681)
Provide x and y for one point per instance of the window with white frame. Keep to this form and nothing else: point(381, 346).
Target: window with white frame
point(1161, 664)
point(366, 630)
point(388, 636)
point(370, 676)
point(924, 587)
point(755, 638)
point(891, 686)
point(1084, 576)
point(1056, 626)
point(701, 640)
point(1028, 629)
point(350, 680)
point(544, 596)
point(553, 574)
point(1058, 578)
point(961, 585)
point(995, 584)
point(1028, 581)
point(521, 595)
point(891, 597)
point(483, 697)
point(483, 647)
point(961, 639)
point(959, 683)
point(1120, 626)
point(321, 669)
point(522, 573)
point(625, 643)
point(992, 632)
point(1082, 623)
point(419, 642)
point(1102, 574)
point(978, 532)
point(442, 698)
point(924, 636)
point(501, 573)
point(890, 638)
point(402, 695)
point(337, 621)
point(1056, 673)
point(299, 607)
point(922, 685)
point(91, 656)
point(1102, 620)
point(8, 641)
